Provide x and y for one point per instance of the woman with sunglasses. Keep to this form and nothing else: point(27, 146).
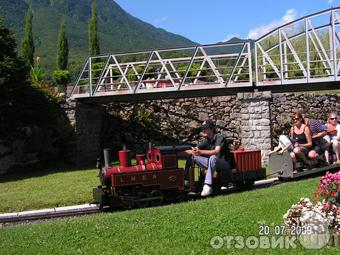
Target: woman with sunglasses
point(301, 138)
point(333, 130)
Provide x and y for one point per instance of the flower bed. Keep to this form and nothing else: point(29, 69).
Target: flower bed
point(323, 218)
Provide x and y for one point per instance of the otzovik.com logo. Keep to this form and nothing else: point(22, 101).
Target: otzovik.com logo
point(308, 241)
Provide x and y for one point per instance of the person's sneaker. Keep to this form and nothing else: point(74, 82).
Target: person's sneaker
point(207, 190)
point(228, 187)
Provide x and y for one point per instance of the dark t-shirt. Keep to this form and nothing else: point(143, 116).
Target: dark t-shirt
point(217, 140)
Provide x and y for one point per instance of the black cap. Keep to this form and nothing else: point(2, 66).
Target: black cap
point(208, 124)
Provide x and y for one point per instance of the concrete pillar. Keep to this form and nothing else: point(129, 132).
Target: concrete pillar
point(255, 124)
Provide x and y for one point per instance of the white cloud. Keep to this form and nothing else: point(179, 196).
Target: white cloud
point(262, 30)
point(330, 1)
point(229, 36)
point(161, 19)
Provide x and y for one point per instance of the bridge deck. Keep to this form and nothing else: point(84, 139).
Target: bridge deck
point(300, 55)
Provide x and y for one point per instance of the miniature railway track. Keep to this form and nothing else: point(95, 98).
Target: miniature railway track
point(79, 210)
point(86, 209)
point(53, 213)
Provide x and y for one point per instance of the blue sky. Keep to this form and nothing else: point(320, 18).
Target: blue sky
point(211, 21)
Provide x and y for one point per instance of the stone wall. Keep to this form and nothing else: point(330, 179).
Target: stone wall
point(316, 105)
point(180, 119)
point(250, 119)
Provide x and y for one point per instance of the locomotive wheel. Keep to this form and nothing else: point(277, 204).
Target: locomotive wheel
point(157, 197)
point(142, 200)
point(127, 201)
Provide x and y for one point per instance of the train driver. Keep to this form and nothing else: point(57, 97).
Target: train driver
point(211, 153)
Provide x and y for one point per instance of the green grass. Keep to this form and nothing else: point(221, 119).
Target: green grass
point(184, 228)
point(50, 190)
point(56, 189)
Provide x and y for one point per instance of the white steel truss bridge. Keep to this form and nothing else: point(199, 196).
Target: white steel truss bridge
point(301, 55)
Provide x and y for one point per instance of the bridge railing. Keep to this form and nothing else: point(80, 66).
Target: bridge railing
point(303, 51)
point(200, 67)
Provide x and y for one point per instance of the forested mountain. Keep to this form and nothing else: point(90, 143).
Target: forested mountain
point(118, 31)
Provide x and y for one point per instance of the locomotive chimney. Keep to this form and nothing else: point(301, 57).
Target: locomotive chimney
point(124, 158)
point(107, 157)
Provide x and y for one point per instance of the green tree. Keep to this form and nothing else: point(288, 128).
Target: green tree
point(93, 32)
point(62, 48)
point(13, 71)
point(28, 44)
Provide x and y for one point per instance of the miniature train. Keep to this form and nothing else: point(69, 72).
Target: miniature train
point(157, 175)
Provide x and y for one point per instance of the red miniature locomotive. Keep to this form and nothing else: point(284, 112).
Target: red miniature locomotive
point(157, 176)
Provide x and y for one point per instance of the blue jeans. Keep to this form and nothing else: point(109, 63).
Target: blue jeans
point(212, 164)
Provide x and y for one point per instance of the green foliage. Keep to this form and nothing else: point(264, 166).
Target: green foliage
point(93, 32)
point(28, 44)
point(61, 77)
point(194, 69)
point(37, 76)
point(62, 51)
point(144, 117)
point(12, 69)
point(97, 68)
point(32, 107)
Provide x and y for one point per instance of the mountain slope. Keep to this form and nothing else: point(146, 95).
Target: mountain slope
point(118, 31)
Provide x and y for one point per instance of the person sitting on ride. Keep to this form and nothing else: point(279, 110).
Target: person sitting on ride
point(333, 131)
point(211, 152)
point(319, 144)
point(285, 144)
point(301, 138)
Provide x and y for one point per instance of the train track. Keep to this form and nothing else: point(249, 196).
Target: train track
point(52, 213)
point(75, 210)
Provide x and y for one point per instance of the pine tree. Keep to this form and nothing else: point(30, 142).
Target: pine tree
point(27, 44)
point(93, 32)
point(62, 50)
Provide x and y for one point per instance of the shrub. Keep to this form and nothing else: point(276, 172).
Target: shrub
point(61, 77)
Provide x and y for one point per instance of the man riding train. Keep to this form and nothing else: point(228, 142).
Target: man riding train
point(212, 153)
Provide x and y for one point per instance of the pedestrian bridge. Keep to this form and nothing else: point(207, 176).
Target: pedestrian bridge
point(301, 55)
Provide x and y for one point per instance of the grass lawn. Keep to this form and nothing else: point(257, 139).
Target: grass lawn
point(50, 190)
point(183, 228)
point(56, 189)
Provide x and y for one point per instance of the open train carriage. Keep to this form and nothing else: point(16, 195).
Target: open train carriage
point(281, 165)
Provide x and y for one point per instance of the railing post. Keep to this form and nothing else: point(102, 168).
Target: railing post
point(307, 50)
point(250, 67)
point(281, 60)
point(334, 47)
point(256, 66)
point(90, 76)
